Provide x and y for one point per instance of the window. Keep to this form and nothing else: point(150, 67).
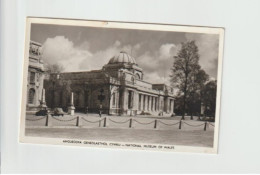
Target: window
point(137, 76)
point(152, 104)
point(144, 102)
point(76, 98)
point(32, 77)
point(148, 103)
point(170, 105)
point(38, 77)
point(31, 96)
point(130, 99)
point(156, 103)
point(139, 105)
point(114, 99)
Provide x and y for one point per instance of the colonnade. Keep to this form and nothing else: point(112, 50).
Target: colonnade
point(139, 101)
point(148, 103)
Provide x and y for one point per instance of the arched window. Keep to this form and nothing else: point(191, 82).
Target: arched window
point(31, 96)
point(76, 98)
point(137, 76)
point(32, 77)
point(114, 99)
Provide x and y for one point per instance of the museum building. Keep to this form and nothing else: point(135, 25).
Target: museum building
point(35, 77)
point(118, 89)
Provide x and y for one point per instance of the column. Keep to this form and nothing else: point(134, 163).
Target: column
point(123, 98)
point(135, 100)
point(168, 105)
point(172, 105)
point(150, 102)
point(125, 102)
point(161, 103)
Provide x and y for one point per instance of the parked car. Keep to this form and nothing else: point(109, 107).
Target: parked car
point(58, 112)
point(42, 112)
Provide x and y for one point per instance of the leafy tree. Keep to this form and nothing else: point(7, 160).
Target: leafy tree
point(209, 98)
point(178, 105)
point(195, 86)
point(184, 68)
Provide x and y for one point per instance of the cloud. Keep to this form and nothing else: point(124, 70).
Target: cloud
point(153, 77)
point(208, 50)
point(167, 50)
point(98, 59)
point(60, 50)
point(157, 65)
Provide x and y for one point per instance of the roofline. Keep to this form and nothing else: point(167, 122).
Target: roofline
point(92, 71)
point(36, 43)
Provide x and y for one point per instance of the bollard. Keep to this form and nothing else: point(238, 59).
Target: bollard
point(105, 122)
point(77, 121)
point(205, 126)
point(180, 124)
point(47, 120)
point(130, 123)
point(155, 124)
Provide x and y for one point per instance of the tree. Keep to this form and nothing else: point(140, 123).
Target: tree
point(209, 98)
point(196, 84)
point(184, 67)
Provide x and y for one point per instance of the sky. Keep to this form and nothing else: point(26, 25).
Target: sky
point(88, 48)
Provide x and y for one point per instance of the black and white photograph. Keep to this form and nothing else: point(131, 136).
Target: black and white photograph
point(121, 85)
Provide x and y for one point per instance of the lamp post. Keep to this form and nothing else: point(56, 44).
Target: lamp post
point(43, 102)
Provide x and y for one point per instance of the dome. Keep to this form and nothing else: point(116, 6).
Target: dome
point(122, 57)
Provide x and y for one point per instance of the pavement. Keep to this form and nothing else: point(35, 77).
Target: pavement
point(142, 129)
point(195, 138)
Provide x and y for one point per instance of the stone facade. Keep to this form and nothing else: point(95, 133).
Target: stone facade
point(118, 88)
point(35, 77)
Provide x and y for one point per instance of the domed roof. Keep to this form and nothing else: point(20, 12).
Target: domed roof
point(122, 57)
